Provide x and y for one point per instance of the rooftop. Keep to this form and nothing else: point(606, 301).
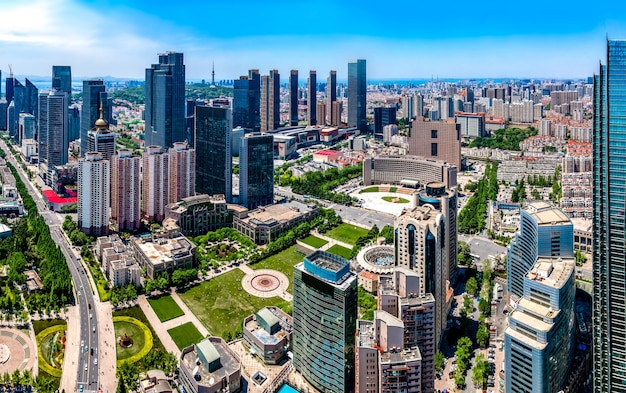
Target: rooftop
point(546, 213)
point(165, 250)
point(282, 212)
point(210, 348)
point(552, 271)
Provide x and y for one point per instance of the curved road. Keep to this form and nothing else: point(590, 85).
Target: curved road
point(87, 374)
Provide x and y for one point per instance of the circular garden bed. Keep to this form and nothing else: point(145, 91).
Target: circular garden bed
point(133, 339)
point(51, 349)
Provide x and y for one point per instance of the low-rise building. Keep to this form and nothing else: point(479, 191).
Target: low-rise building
point(411, 171)
point(199, 214)
point(210, 367)
point(264, 224)
point(163, 254)
point(118, 261)
point(268, 334)
point(155, 381)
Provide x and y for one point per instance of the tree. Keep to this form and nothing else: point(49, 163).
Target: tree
point(471, 287)
point(482, 335)
point(468, 306)
point(480, 372)
point(484, 306)
point(440, 361)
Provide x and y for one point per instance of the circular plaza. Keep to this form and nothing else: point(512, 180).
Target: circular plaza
point(385, 198)
point(265, 283)
point(17, 352)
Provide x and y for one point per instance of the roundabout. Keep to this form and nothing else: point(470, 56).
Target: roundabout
point(265, 283)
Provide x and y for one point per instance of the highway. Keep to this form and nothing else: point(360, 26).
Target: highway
point(88, 373)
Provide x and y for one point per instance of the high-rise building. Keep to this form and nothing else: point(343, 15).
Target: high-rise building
point(438, 140)
point(213, 151)
point(31, 98)
point(337, 107)
point(357, 95)
point(94, 194)
point(125, 190)
point(53, 131)
point(27, 126)
point(165, 101)
point(155, 183)
point(64, 74)
point(311, 99)
point(539, 341)
point(4, 106)
point(94, 99)
point(545, 231)
point(18, 92)
point(270, 101)
point(331, 98)
point(73, 113)
point(256, 170)
point(324, 315)
point(247, 101)
point(425, 241)
point(383, 116)
point(293, 98)
point(101, 140)
point(321, 112)
point(609, 244)
point(182, 172)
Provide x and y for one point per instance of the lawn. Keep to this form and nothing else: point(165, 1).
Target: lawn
point(185, 335)
point(347, 233)
point(123, 328)
point(341, 251)
point(221, 303)
point(283, 262)
point(314, 241)
point(393, 199)
point(136, 313)
point(369, 189)
point(165, 308)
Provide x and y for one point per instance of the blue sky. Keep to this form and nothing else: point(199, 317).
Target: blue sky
point(400, 39)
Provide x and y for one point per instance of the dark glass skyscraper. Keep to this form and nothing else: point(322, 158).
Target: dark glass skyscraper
point(64, 73)
point(256, 170)
point(213, 153)
point(383, 116)
point(19, 102)
point(311, 99)
point(247, 101)
point(293, 98)
point(94, 96)
point(53, 131)
point(357, 95)
point(165, 101)
point(331, 97)
point(609, 222)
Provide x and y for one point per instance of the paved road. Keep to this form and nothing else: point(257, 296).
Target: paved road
point(482, 246)
point(87, 372)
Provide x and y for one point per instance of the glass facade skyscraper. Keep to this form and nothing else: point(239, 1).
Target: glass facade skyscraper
point(311, 99)
point(165, 101)
point(609, 206)
point(213, 151)
point(247, 101)
point(64, 74)
point(256, 170)
point(94, 97)
point(324, 316)
point(357, 95)
point(293, 98)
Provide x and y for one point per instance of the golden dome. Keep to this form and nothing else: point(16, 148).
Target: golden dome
point(101, 124)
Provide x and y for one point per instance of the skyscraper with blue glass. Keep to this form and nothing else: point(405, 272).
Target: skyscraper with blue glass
point(609, 222)
point(94, 98)
point(357, 95)
point(324, 316)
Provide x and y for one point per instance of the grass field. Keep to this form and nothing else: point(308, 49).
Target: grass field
point(369, 189)
point(395, 199)
point(185, 335)
point(283, 262)
point(314, 241)
point(340, 250)
point(133, 331)
point(165, 308)
point(346, 233)
point(221, 303)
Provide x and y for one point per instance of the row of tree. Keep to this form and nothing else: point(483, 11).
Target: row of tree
point(472, 217)
point(321, 184)
point(505, 138)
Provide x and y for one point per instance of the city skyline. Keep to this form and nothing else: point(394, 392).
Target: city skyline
point(92, 36)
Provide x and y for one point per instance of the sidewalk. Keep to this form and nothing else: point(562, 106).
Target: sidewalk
point(164, 336)
point(72, 348)
point(331, 241)
point(107, 357)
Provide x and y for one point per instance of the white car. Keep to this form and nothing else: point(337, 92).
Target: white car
point(95, 361)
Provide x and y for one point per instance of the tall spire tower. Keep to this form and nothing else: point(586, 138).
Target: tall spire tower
point(213, 74)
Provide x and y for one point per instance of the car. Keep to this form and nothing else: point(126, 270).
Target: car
point(94, 329)
point(85, 366)
point(95, 361)
point(82, 343)
point(86, 348)
point(80, 388)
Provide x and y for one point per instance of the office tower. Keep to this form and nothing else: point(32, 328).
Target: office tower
point(190, 110)
point(31, 94)
point(64, 74)
point(311, 99)
point(165, 101)
point(4, 106)
point(213, 151)
point(425, 241)
point(53, 131)
point(469, 99)
point(270, 101)
point(539, 341)
point(321, 112)
point(73, 113)
point(418, 105)
point(545, 231)
point(407, 107)
point(324, 316)
point(256, 170)
point(436, 139)
point(125, 190)
point(94, 193)
point(182, 172)
point(247, 101)
point(100, 139)
point(400, 296)
point(357, 95)
point(383, 116)
point(19, 103)
point(12, 115)
point(27, 126)
point(293, 98)
point(331, 99)
point(94, 98)
point(337, 107)
point(155, 183)
point(609, 285)
point(9, 82)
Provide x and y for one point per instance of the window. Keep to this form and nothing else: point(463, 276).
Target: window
point(433, 149)
point(433, 134)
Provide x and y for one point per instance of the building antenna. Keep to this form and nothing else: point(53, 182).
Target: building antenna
point(11, 70)
point(213, 75)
